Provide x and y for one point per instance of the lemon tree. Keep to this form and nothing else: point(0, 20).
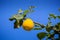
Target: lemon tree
point(28, 24)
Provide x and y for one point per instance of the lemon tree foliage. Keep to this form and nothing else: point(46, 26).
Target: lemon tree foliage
point(49, 27)
point(20, 17)
point(28, 24)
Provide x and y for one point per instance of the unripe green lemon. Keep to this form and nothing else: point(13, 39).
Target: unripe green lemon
point(28, 24)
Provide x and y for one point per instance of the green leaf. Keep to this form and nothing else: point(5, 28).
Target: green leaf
point(37, 28)
point(49, 18)
point(58, 23)
point(57, 26)
point(52, 15)
point(49, 23)
point(41, 35)
point(58, 17)
point(25, 12)
point(29, 10)
point(11, 19)
point(37, 24)
point(48, 29)
point(16, 24)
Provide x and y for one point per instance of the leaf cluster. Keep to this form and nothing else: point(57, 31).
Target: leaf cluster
point(48, 27)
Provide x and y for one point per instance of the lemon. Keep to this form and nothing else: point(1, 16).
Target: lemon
point(28, 24)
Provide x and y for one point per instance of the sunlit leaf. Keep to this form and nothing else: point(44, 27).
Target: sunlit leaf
point(50, 36)
point(20, 11)
point(25, 12)
point(29, 10)
point(37, 28)
point(18, 24)
point(49, 24)
point(39, 25)
point(36, 25)
point(52, 15)
point(41, 35)
point(11, 19)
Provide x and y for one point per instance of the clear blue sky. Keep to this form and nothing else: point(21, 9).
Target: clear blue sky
point(10, 7)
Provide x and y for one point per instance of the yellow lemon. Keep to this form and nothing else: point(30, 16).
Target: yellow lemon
point(28, 24)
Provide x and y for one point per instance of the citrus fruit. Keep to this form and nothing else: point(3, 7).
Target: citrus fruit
point(28, 24)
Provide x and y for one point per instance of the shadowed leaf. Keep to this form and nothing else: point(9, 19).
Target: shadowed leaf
point(31, 7)
point(11, 19)
point(57, 26)
point(48, 29)
point(41, 35)
point(49, 18)
point(58, 17)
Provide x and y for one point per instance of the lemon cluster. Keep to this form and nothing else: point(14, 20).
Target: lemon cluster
point(28, 24)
